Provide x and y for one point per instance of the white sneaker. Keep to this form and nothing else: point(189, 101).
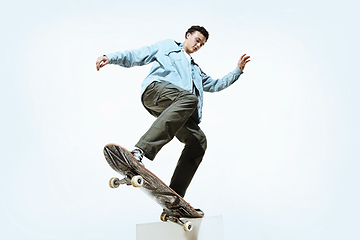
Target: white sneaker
point(138, 155)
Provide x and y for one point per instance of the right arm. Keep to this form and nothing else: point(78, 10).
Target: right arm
point(138, 57)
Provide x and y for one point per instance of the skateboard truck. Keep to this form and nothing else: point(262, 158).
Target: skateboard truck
point(187, 226)
point(136, 181)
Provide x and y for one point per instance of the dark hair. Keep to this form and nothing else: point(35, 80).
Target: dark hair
point(200, 29)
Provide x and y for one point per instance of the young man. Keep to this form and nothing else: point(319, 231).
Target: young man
point(173, 92)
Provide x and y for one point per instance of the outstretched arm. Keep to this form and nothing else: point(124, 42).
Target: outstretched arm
point(216, 85)
point(135, 57)
point(101, 62)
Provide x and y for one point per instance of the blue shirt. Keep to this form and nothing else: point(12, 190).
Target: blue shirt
point(170, 64)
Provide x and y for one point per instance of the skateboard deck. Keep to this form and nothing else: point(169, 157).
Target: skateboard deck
point(123, 162)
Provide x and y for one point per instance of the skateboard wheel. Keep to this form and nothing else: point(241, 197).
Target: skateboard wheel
point(114, 182)
point(163, 216)
point(137, 181)
point(188, 226)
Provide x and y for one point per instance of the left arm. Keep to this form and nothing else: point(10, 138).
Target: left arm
point(216, 85)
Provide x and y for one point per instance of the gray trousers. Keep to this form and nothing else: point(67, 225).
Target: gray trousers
point(173, 107)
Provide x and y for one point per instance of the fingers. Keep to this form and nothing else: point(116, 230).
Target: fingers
point(243, 58)
point(98, 63)
point(243, 61)
point(101, 62)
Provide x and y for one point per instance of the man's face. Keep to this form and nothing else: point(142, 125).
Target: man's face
point(193, 42)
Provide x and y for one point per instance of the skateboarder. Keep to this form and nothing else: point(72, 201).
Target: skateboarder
point(173, 93)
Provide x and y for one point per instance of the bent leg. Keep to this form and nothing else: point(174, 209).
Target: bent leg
point(191, 156)
point(172, 106)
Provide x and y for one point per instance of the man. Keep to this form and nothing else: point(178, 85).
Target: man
point(173, 92)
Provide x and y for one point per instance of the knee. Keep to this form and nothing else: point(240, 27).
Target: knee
point(195, 147)
point(194, 100)
point(202, 142)
point(202, 145)
point(199, 143)
point(190, 99)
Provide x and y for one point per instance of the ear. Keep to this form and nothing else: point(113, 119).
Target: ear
point(188, 35)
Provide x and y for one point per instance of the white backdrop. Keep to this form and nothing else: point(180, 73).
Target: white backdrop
point(283, 141)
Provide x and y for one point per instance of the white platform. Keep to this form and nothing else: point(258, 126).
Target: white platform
point(209, 228)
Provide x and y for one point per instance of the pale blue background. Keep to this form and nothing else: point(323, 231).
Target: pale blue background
point(283, 142)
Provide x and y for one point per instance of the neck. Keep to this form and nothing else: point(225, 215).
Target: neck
point(185, 48)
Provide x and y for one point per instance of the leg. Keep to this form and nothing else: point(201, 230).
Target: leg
point(172, 106)
point(191, 156)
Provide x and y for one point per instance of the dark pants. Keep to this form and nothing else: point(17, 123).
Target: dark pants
point(173, 107)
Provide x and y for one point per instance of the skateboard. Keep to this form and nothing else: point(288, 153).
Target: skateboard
point(135, 174)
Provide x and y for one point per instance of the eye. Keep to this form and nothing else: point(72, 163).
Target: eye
point(198, 40)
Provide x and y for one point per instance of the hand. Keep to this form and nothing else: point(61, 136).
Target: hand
point(101, 62)
point(243, 61)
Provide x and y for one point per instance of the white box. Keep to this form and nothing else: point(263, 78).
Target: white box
point(209, 228)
